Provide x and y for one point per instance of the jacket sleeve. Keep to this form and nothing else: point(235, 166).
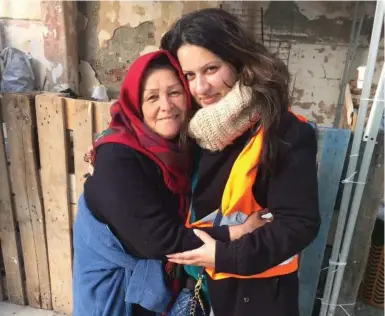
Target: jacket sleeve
point(292, 197)
point(129, 193)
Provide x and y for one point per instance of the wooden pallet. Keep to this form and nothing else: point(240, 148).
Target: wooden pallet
point(47, 137)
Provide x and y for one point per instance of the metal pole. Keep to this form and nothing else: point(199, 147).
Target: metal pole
point(347, 66)
point(377, 109)
point(357, 42)
point(349, 59)
point(353, 159)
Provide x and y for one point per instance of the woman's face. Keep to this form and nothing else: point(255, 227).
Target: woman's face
point(164, 102)
point(210, 78)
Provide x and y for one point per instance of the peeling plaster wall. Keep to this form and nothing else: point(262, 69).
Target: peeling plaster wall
point(316, 72)
point(47, 32)
point(27, 36)
point(30, 10)
point(118, 32)
point(310, 36)
point(323, 22)
point(21, 27)
point(60, 44)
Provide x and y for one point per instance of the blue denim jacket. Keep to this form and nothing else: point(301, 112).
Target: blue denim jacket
point(107, 280)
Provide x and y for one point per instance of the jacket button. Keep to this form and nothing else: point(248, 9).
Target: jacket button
point(246, 299)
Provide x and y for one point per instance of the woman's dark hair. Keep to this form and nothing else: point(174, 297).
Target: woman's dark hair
point(162, 62)
point(221, 33)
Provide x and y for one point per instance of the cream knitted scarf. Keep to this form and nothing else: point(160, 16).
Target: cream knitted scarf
point(216, 126)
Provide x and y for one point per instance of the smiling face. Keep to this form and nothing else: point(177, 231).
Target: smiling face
point(164, 102)
point(210, 78)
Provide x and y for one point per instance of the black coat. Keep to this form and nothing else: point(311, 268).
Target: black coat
point(128, 193)
point(291, 195)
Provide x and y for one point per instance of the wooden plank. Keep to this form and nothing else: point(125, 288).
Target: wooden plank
point(348, 105)
point(82, 137)
point(98, 120)
point(2, 293)
point(1, 289)
point(102, 116)
point(28, 200)
point(354, 120)
point(358, 255)
point(348, 111)
point(8, 232)
point(54, 177)
point(334, 148)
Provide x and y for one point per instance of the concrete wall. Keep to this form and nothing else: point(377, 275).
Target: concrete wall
point(118, 32)
point(310, 36)
point(21, 27)
point(46, 31)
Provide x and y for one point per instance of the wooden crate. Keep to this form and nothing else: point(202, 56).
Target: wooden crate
point(42, 177)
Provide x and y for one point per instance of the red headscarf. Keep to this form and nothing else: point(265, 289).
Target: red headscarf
point(127, 127)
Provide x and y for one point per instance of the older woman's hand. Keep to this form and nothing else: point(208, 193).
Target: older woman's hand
point(88, 159)
point(254, 221)
point(258, 219)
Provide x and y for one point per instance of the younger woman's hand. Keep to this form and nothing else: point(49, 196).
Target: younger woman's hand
point(203, 256)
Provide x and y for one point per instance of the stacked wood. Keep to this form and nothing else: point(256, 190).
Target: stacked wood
point(42, 145)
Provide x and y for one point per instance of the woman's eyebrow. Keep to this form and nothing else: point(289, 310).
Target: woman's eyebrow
point(171, 86)
point(175, 85)
point(204, 66)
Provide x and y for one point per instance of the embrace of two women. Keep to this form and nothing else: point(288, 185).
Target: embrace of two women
point(201, 144)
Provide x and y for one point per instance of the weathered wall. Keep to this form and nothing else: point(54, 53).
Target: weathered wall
point(47, 31)
point(26, 35)
point(118, 32)
point(312, 37)
point(21, 27)
point(30, 10)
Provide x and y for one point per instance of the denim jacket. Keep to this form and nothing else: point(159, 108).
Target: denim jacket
point(106, 279)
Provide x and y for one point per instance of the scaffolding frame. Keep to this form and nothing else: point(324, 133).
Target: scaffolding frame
point(351, 203)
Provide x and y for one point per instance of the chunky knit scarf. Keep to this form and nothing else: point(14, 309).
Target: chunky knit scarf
point(216, 126)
